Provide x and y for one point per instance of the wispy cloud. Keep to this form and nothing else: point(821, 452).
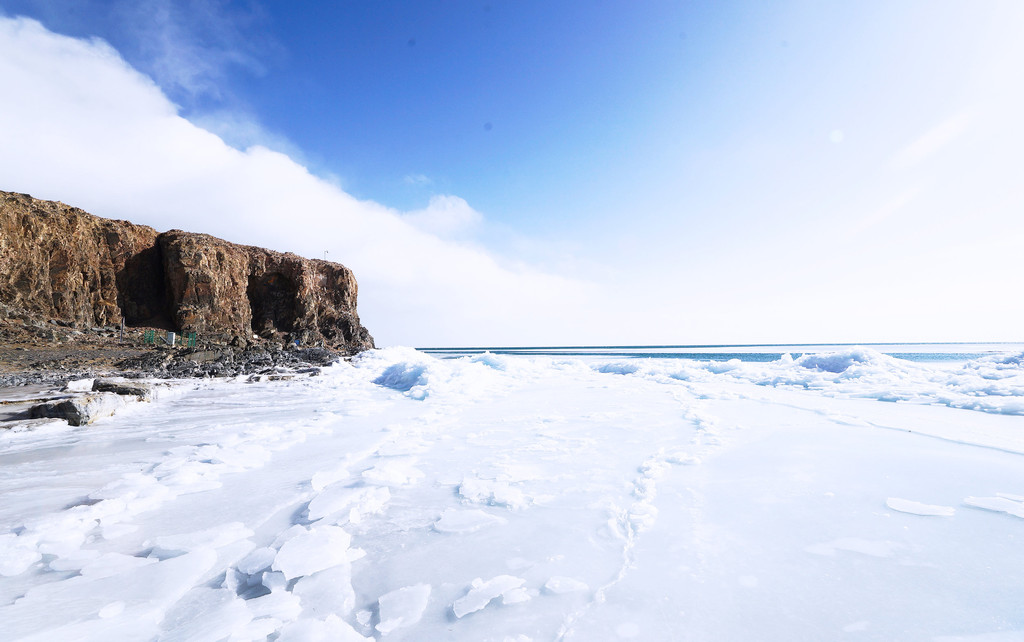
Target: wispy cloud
point(931, 142)
point(242, 130)
point(193, 45)
point(417, 179)
point(887, 210)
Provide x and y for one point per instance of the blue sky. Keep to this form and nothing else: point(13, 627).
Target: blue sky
point(400, 99)
point(687, 172)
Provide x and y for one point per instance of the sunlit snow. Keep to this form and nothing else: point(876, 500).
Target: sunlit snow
point(848, 495)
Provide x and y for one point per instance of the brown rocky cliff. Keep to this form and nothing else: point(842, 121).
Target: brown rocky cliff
point(60, 262)
point(66, 264)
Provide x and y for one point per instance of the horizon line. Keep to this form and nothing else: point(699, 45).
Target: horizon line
point(720, 345)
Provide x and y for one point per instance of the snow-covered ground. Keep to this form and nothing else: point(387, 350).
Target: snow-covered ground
point(831, 497)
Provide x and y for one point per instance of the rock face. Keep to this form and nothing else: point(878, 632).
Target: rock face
point(140, 390)
point(66, 264)
point(60, 262)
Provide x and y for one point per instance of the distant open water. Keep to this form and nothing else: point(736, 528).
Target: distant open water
point(922, 352)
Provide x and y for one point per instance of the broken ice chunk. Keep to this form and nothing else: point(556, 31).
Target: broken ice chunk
point(360, 501)
point(327, 592)
point(213, 538)
point(515, 596)
point(998, 504)
point(280, 605)
point(333, 629)
point(465, 521)
point(257, 560)
point(481, 593)
point(313, 551)
point(292, 531)
point(917, 508)
point(402, 607)
point(205, 614)
point(393, 473)
point(274, 580)
point(325, 478)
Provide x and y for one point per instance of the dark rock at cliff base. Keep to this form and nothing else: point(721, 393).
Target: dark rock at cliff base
point(255, 360)
point(66, 265)
point(143, 391)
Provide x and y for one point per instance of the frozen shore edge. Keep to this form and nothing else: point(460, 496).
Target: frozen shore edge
point(42, 396)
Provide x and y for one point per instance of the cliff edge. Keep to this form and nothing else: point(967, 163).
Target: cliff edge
point(62, 263)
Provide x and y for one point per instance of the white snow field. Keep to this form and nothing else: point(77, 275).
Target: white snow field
point(846, 496)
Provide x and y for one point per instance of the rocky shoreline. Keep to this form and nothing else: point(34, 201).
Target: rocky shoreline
point(38, 351)
point(183, 365)
point(34, 351)
point(56, 364)
point(94, 376)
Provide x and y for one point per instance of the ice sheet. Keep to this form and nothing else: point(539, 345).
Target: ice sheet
point(531, 498)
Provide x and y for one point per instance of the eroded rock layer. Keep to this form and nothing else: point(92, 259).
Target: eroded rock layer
point(66, 264)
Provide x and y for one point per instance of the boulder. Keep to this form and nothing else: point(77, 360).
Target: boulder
point(144, 391)
point(81, 410)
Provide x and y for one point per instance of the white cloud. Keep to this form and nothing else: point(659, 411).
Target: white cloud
point(78, 124)
point(446, 216)
point(241, 129)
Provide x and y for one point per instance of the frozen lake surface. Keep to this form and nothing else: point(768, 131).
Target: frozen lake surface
point(921, 352)
point(844, 495)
